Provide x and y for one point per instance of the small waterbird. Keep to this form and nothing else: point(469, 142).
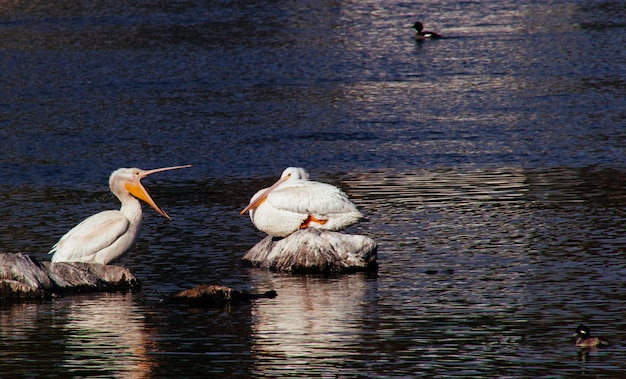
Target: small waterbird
point(421, 34)
point(585, 339)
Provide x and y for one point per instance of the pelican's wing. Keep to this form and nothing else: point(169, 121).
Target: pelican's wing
point(311, 198)
point(95, 233)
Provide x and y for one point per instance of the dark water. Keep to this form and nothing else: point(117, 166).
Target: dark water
point(491, 166)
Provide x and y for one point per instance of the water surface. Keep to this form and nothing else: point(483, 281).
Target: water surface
point(490, 166)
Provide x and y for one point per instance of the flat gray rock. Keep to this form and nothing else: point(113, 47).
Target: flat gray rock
point(22, 277)
point(315, 251)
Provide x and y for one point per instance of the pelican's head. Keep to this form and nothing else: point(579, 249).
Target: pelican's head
point(128, 180)
point(290, 173)
point(293, 173)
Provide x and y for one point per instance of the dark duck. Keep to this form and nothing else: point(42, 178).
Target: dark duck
point(422, 35)
point(586, 340)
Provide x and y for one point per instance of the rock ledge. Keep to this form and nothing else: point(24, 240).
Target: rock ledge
point(315, 251)
point(22, 277)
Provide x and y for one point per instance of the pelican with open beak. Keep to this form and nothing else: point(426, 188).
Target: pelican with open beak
point(106, 236)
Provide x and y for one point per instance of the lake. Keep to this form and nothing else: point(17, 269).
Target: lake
point(490, 166)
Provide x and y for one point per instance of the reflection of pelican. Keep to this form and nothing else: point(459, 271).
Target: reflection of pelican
point(311, 327)
point(294, 203)
point(105, 335)
point(106, 236)
point(92, 335)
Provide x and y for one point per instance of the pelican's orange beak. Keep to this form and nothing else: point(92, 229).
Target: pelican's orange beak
point(263, 196)
point(136, 189)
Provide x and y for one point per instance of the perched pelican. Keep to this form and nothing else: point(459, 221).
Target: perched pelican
point(421, 35)
point(294, 203)
point(106, 236)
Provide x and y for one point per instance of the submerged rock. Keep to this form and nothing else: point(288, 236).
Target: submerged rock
point(208, 295)
point(22, 277)
point(315, 251)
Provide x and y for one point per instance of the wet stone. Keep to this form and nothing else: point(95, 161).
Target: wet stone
point(209, 295)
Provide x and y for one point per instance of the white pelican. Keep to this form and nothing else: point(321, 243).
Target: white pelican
point(294, 203)
point(106, 236)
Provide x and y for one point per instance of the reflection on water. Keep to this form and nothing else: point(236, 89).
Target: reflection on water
point(312, 326)
point(106, 334)
point(101, 335)
point(441, 188)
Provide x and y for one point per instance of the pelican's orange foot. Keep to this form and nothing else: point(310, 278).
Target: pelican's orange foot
point(306, 223)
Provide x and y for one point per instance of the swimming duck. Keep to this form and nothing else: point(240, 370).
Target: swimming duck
point(421, 35)
point(585, 339)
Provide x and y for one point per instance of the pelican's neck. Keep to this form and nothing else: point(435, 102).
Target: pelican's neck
point(131, 208)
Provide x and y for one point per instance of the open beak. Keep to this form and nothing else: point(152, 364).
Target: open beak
point(261, 198)
point(139, 191)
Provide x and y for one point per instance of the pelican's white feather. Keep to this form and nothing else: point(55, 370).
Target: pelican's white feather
point(304, 196)
point(291, 202)
point(96, 233)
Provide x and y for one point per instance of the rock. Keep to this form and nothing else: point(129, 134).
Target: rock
point(315, 251)
point(208, 295)
point(21, 277)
